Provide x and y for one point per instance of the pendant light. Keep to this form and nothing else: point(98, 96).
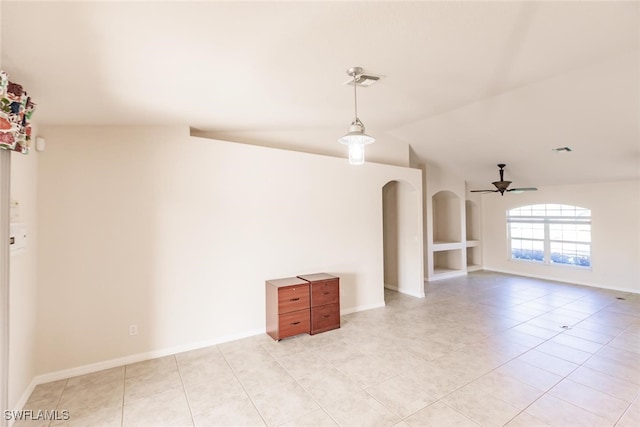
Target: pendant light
point(356, 139)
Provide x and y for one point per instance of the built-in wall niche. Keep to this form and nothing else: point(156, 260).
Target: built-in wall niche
point(446, 218)
point(449, 261)
point(472, 212)
point(473, 258)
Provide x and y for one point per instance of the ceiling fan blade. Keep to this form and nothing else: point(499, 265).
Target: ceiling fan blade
point(483, 191)
point(520, 190)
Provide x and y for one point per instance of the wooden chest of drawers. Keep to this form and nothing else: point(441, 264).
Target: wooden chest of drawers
point(287, 307)
point(324, 301)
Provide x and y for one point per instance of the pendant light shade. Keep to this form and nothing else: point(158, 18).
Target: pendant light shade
point(356, 139)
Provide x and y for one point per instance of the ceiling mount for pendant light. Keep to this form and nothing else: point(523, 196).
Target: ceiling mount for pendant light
point(356, 139)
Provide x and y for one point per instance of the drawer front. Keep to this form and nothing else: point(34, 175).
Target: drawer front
point(325, 292)
point(325, 318)
point(294, 323)
point(293, 298)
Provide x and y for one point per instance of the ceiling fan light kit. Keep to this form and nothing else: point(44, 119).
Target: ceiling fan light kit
point(502, 186)
point(356, 138)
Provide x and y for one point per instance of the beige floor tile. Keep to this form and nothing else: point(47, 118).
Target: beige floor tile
point(109, 417)
point(204, 369)
point(590, 399)
point(463, 344)
point(557, 412)
point(304, 364)
point(577, 343)
point(597, 337)
point(429, 350)
point(439, 415)
point(506, 388)
point(465, 365)
point(366, 370)
point(548, 362)
point(168, 408)
point(591, 324)
point(613, 386)
point(627, 340)
point(339, 352)
point(564, 352)
point(284, 403)
point(619, 355)
point(552, 323)
point(360, 409)
point(48, 392)
point(530, 374)
point(615, 368)
point(206, 353)
point(238, 412)
point(613, 319)
point(525, 420)
point(85, 398)
point(631, 417)
point(288, 346)
point(393, 394)
point(317, 418)
point(31, 422)
point(206, 395)
point(150, 367)
point(96, 378)
point(484, 409)
point(328, 385)
point(437, 382)
point(526, 340)
point(153, 382)
point(256, 380)
point(536, 331)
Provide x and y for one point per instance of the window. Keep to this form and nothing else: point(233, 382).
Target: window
point(551, 233)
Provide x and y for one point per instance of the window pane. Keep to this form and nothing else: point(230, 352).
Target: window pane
point(568, 239)
point(527, 230)
point(527, 249)
point(570, 253)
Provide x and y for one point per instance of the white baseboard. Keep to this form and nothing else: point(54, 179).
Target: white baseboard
point(23, 399)
point(361, 308)
point(402, 291)
point(555, 279)
point(139, 357)
point(449, 275)
point(126, 360)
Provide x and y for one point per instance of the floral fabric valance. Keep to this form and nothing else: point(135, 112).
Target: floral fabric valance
point(16, 109)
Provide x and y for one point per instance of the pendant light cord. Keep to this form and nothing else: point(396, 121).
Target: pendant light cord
point(355, 96)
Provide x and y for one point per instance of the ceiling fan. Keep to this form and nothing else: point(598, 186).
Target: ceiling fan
point(502, 185)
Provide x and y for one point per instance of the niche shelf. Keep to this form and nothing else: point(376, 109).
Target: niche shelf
point(472, 230)
point(473, 258)
point(447, 263)
point(446, 219)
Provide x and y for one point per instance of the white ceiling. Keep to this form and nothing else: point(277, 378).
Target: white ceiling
point(468, 84)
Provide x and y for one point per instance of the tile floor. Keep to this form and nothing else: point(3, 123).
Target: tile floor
point(487, 349)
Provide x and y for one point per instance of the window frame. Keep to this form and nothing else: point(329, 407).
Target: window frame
point(580, 216)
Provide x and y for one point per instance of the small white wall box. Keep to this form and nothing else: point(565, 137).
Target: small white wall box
point(17, 237)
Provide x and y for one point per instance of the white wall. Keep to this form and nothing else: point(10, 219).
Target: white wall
point(615, 219)
point(23, 278)
point(177, 234)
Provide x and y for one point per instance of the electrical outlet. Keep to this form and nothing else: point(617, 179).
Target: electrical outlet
point(133, 329)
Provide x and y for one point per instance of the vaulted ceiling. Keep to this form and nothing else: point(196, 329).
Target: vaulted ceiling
point(466, 85)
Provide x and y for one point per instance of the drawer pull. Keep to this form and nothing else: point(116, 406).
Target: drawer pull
point(294, 299)
point(326, 315)
point(326, 293)
point(295, 323)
